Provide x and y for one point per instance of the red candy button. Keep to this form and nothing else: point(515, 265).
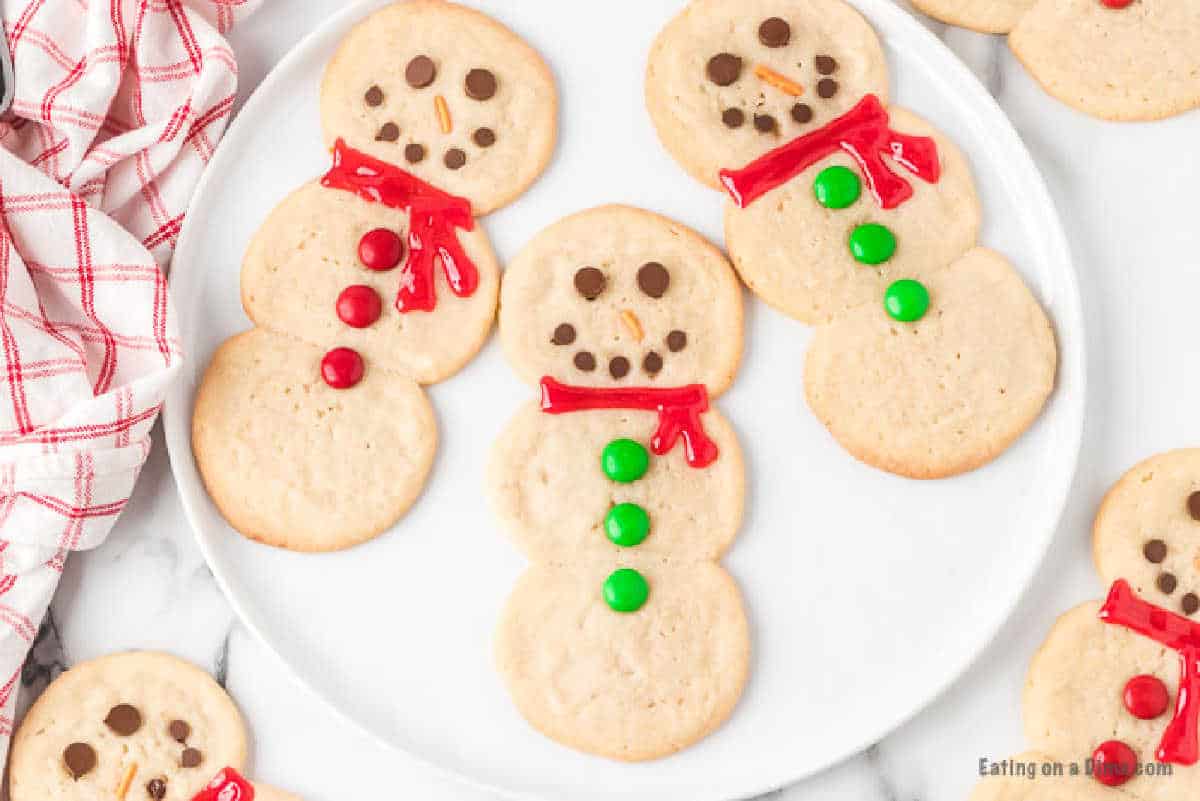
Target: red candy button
point(1113, 763)
point(380, 249)
point(358, 306)
point(1116, 3)
point(1146, 697)
point(227, 785)
point(342, 368)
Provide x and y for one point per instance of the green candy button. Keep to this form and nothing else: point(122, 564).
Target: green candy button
point(872, 243)
point(906, 300)
point(624, 460)
point(837, 187)
point(625, 590)
point(627, 524)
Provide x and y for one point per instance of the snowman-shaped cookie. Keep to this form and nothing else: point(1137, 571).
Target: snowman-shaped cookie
point(622, 485)
point(1118, 682)
point(137, 726)
point(858, 217)
point(374, 279)
point(1114, 59)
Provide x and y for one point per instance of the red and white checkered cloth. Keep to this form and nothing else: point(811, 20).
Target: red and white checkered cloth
point(119, 104)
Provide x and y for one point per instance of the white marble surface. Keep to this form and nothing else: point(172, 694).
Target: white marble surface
point(1126, 195)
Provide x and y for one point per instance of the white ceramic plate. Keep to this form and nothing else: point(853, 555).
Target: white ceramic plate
point(868, 594)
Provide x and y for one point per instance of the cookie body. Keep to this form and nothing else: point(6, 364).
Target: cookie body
point(306, 254)
point(1073, 699)
point(947, 393)
point(434, 114)
point(146, 715)
point(985, 16)
point(622, 484)
point(1042, 787)
point(293, 462)
point(1134, 63)
point(729, 80)
point(549, 493)
point(795, 253)
point(494, 129)
point(1147, 529)
point(629, 687)
point(836, 205)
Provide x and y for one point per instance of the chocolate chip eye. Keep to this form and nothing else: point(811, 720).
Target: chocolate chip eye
point(564, 334)
point(389, 132)
point(481, 84)
point(414, 153)
point(653, 279)
point(724, 69)
point(590, 282)
point(618, 367)
point(764, 123)
point(826, 65)
point(652, 363)
point(455, 158)
point(374, 96)
point(802, 113)
point(124, 720)
point(733, 117)
point(585, 361)
point(80, 759)
point(676, 341)
point(420, 72)
point(1193, 505)
point(774, 32)
point(484, 137)
point(827, 88)
point(179, 730)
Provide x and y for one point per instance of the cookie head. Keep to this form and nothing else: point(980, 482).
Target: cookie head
point(617, 296)
point(447, 94)
point(729, 80)
point(1148, 531)
point(138, 726)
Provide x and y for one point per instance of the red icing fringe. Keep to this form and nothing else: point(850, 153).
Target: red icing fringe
point(862, 132)
point(679, 410)
point(435, 216)
point(1180, 743)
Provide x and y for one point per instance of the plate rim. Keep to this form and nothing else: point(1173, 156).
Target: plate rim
point(1069, 309)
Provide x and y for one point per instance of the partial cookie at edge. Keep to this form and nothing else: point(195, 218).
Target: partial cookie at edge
point(1140, 62)
point(1146, 533)
point(984, 16)
point(160, 688)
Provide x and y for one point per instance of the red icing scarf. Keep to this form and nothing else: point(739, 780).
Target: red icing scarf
point(679, 410)
point(1180, 742)
point(434, 218)
point(227, 785)
point(862, 132)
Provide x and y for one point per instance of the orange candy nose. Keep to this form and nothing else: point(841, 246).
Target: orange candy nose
point(778, 80)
